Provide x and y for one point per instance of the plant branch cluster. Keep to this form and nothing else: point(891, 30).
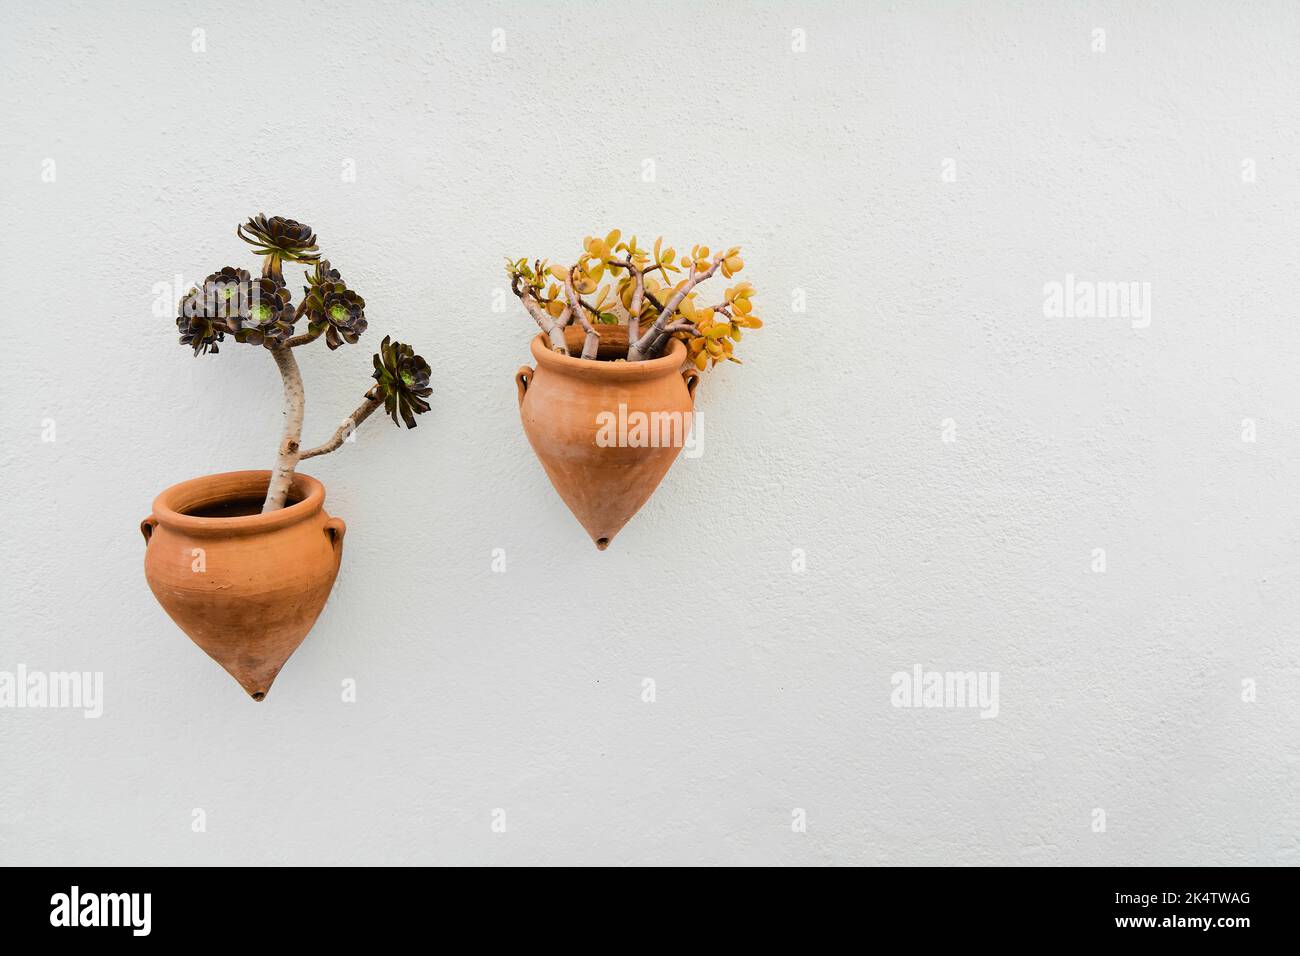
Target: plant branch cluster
point(652, 291)
point(260, 311)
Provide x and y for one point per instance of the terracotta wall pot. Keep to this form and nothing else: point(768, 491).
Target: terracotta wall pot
point(566, 404)
point(246, 587)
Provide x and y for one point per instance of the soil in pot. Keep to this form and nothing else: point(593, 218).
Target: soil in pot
point(235, 508)
point(613, 341)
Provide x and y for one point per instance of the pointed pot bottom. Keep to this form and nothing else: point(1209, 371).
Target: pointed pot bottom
point(604, 499)
point(254, 675)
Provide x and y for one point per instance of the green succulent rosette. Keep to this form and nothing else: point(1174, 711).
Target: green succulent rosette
point(268, 316)
point(213, 310)
point(282, 240)
point(332, 309)
point(402, 379)
point(197, 330)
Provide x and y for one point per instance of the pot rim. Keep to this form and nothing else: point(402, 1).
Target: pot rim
point(670, 364)
point(169, 507)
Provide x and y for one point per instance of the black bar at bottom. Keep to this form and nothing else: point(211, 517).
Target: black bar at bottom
point(257, 907)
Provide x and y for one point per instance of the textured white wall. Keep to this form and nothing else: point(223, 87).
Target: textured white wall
point(1119, 690)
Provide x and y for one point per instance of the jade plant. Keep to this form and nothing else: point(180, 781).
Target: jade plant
point(652, 291)
point(259, 311)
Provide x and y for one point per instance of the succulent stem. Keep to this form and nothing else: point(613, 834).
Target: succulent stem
point(544, 320)
point(272, 268)
point(350, 425)
point(294, 400)
point(646, 346)
point(302, 338)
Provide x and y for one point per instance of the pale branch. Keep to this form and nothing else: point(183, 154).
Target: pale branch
point(590, 308)
point(545, 321)
point(638, 296)
point(662, 341)
point(565, 318)
point(675, 300)
point(658, 307)
point(307, 336)
point(350, 425)
point(645, 346)
point(634, 309)
point(577, 306)
point(556, 332)
point(591, 345)
point(723, 308)
point(304, 338)
point(287, 459)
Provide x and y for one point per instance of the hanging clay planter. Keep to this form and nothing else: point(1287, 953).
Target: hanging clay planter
point(571, 409)
point(244, 561)
point(612, 399)
point(245, 586)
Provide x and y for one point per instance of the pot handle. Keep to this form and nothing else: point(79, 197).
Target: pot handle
point(523, 378)
point(335, 529)
point(692, 381)
point(146, 528)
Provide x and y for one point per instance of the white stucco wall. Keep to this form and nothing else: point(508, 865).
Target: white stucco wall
point(1118, 691)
